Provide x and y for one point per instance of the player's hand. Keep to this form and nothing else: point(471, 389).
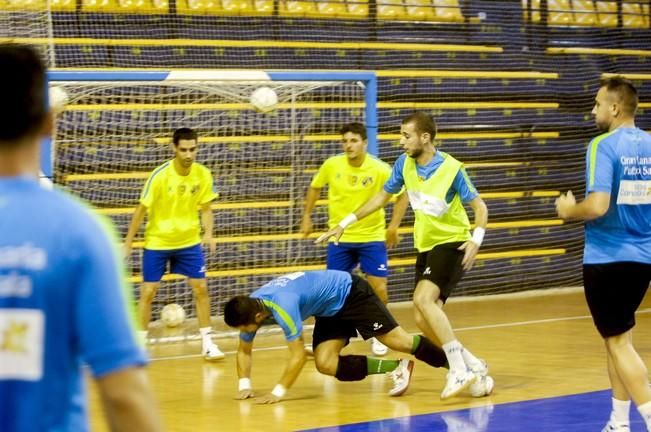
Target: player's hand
point(564, 205)
point(267, 399)
point(336, 232)
point(306, 226)
point(210, 242)
point(470, 249)
point(392, 238)
point(244, 394)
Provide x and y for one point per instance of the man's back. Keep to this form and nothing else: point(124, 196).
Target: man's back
point(619, 163)
point(59, 305)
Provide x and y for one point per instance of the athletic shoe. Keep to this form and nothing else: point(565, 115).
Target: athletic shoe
point(613, 426)
point(378, 348)
point(401, 377)
point(213, 353)
point(481, 369)
point(483, 386)
point(457, 382)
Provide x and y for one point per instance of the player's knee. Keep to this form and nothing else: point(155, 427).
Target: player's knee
point(326, 365)
point(616, 342)
point(147, 293)
point(200, 290)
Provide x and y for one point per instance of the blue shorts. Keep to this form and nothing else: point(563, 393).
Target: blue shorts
point(371, 256)
point(188, 262)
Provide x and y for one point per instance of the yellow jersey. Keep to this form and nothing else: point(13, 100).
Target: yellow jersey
point(348, 188)
point(172, 202)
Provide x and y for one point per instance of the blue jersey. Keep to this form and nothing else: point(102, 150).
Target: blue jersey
point(619, 163)
point(294, 297)
point(61, 303)
point(461, 184)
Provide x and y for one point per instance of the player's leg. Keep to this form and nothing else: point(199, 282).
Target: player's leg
point(332, 334)
point(613, 312)
point(437, 272)
point(373, 261)
point(190, 262)
point(153, 268)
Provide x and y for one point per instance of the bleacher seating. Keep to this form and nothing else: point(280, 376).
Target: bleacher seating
point(590, 13)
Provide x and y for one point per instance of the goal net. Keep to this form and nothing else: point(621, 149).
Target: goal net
point(117, 128)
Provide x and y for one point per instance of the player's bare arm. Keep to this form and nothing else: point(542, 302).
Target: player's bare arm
point(471, 247)
point(399, 210)
point(128, 401)
point(295, 363)
point(207, 221)
point(134, 226)
point(244, 361)
point(378, 201)
point(310, 201)
point(595, 205)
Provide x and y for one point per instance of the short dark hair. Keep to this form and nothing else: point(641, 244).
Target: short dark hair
point(624, 90)
point(423, 122)
point(241, 310)
point(24, 106)
point(183, 134)
point(355, 127)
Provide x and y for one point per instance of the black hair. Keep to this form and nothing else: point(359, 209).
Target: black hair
point(241, 310)
point(183, 134)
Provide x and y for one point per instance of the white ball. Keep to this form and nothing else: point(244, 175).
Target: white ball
point(264, 99)
point(172, 315)
point(58, 98)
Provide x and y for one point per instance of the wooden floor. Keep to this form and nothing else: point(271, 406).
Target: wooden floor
point(536, 346)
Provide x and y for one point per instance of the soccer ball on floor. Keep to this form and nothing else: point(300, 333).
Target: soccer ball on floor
point(172, 315)
point(264, 99)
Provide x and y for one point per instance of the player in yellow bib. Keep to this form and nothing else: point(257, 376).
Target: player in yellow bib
point(353, 177)
point(437, 186)
point(172, 197)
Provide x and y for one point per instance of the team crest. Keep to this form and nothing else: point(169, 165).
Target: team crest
point(352, 180)
point(194, 190)
point(367, 181)
point(181, 189)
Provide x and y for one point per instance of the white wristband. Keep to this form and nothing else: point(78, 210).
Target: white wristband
point(245, 384)
point(279, 391)
point(351, 218)
point(478, 235)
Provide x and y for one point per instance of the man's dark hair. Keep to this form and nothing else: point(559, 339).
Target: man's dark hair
point(183, 134)
point(24, 93)
point(355, 127)
point(423, 122)
point(624, 91)
point(241, 310)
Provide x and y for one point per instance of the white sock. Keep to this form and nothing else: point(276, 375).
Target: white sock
point(206, 340)
point(645, 412)
point(620, 411)
point(470, 359)
point(453, 350)
point(142, 336)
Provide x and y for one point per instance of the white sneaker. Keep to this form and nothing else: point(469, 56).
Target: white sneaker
point(613, 426)
point(378, 348)
point(401, 377)
point(481, 369)
point(213, 353)
point(483, 386)
point(457, 382)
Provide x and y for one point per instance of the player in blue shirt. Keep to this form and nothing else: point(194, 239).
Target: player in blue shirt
point(62, 294)
point(342, 304)
point(617, 254)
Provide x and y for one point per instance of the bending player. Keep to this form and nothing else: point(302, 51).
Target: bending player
point(342, 305)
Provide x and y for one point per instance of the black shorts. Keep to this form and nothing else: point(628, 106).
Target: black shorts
point(614, 291)
point(362, 312)
point(441, 266)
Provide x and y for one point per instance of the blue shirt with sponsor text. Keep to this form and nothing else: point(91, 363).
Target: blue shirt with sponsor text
point(619, 163)
point(62, 304)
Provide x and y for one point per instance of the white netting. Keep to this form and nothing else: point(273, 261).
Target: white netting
point(31, 22)
point(111, 135)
